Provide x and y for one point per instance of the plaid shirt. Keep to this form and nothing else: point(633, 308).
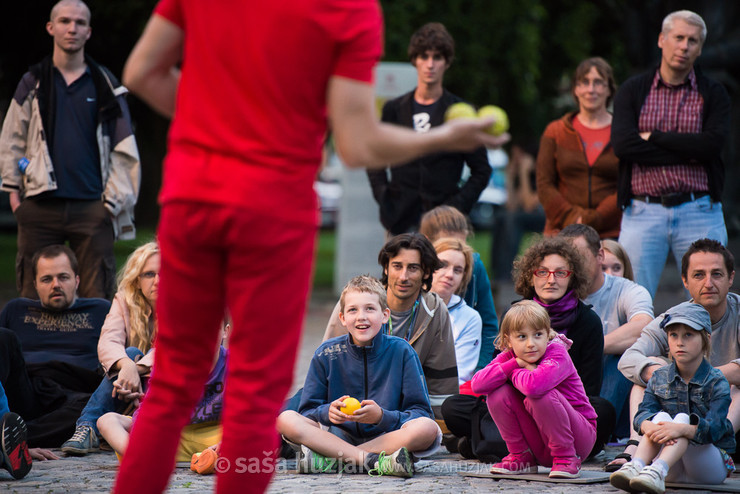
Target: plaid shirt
point(671, 109)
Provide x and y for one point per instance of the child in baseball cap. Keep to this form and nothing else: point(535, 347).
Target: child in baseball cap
point(683, 417)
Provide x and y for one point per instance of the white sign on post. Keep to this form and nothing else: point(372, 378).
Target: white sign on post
point(359, 232)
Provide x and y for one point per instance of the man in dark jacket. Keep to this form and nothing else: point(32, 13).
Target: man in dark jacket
point(669, 128)
point(68, 157)
point(429, 181)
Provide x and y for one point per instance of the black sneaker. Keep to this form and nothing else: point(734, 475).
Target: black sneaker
point(450, 441)
point(15, 456)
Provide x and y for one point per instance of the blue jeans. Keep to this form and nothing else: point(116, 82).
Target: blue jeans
point(616, 388)
point(649, 231)
point(102, 400)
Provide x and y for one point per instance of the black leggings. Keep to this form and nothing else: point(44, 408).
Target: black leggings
point(14, 377)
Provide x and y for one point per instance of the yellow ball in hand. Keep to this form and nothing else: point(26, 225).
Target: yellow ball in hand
point(501, 123)
point(460, 110)
point(351, 405)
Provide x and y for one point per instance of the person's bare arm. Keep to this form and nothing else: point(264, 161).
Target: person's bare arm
point(619, 340)
point(362, 141)
point(151, 70)
point(731, 371)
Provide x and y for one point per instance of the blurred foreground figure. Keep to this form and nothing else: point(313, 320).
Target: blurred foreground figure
point(239, 214)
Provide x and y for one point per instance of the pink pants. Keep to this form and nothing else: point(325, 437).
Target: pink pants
point(549, 426)
point(215, 257)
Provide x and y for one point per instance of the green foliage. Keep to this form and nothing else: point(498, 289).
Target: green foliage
point(518, 54)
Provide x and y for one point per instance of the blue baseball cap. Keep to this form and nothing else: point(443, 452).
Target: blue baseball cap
point(692, 315)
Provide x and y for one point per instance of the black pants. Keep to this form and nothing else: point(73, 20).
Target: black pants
point(14, 377)
point(49, 396)
point(457, 411)
point(86, 225)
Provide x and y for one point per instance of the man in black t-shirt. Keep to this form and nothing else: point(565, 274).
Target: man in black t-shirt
point(407, 191)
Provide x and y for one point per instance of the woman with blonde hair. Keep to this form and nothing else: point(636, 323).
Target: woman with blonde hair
point(124, 348)
point(616, 260)
point(450, 282)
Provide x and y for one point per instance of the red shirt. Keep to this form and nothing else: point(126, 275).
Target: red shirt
point(671, 109)
point(250, 116)
point(594, 140)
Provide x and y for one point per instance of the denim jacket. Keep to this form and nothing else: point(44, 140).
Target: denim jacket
point(705, 398)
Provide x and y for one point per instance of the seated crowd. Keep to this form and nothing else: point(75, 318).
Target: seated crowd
point(412, 355)
point(582, 342)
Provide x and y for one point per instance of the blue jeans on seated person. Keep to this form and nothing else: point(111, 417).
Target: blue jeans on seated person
point(615, 388)
point(3, 402)
point(102, 400)
point(649, 230)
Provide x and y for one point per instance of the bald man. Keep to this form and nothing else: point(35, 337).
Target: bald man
point(68, 157)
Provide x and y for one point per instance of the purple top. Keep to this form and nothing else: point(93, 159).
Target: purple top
point(209, 407)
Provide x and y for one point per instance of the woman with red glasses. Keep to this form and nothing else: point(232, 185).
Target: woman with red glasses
point(550, 272)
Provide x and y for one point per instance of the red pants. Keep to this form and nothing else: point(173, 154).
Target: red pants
point(215, 257)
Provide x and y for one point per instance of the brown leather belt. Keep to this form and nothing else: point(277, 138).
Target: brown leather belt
point(672, 200)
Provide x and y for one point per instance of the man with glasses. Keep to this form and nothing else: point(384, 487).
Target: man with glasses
point(669, 128)
point(51, 344)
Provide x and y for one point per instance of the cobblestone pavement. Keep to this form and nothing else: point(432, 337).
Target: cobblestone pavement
point(95, 473)
point(440, 474)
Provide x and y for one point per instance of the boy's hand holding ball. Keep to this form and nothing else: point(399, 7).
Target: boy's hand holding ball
point(369, 413)
point(350, 405)
point(342, 409)
point(365, 412)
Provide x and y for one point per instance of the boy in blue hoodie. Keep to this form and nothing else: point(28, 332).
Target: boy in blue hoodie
point(384, 373)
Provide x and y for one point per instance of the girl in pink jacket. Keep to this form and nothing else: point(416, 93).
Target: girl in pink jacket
point(536, 397)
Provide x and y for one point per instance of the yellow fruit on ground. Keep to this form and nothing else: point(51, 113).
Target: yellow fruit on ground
point(501, 123)
point(460, 110)
point(351, 405)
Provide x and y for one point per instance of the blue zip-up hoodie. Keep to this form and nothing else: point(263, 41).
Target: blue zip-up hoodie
point(388, 371)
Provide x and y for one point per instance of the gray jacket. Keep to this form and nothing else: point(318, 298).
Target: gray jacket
point(23, 136)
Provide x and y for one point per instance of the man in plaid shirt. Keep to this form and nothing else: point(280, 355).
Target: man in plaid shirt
point(669, 127)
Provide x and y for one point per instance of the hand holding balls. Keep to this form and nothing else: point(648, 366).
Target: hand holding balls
point(464, 110)
point(351, 405)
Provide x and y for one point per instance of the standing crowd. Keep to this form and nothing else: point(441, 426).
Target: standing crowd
point(410, 361)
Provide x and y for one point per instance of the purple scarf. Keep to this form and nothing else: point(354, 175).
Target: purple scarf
point(562, 312)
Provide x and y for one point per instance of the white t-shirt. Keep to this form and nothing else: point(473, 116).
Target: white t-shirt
point(619, 300)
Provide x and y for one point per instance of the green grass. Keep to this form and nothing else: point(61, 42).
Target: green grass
point(323, 270)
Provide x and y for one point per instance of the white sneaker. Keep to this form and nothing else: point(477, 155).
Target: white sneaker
point(649, 480)
point(622, 477)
